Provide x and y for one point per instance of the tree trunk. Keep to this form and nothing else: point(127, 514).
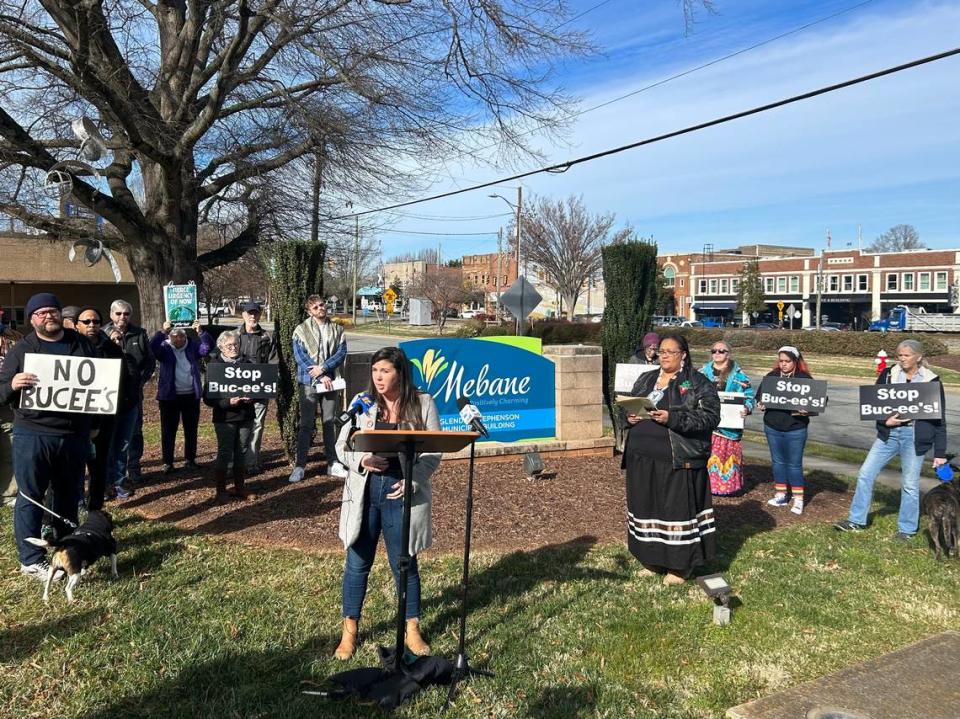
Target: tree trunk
point(156, 263)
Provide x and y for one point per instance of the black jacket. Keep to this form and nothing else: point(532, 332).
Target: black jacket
point(140, 362)
point(34, 420)
point(927, 433)
point(223, 411)
point(109, 350)
point(258, 346)
point(694, 414)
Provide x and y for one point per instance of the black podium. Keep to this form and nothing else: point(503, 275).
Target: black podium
point(407, 444)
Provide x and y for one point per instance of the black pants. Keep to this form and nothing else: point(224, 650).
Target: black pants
point(97, 466)
point(187, 407)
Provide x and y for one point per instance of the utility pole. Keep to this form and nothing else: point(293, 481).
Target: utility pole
point(498, 283)
point(356, 265)
point(519, 219)
point(820, 283)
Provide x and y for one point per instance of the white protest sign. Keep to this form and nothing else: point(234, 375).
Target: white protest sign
point(626, 375)
point(731, 404)
point(71, 384)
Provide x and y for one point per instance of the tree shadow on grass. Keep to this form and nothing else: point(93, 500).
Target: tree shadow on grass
point(255, 684)
point(564, 703)
point(736, 523)
point(19, 642)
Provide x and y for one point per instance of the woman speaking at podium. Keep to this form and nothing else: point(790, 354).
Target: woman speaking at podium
point(373, 495)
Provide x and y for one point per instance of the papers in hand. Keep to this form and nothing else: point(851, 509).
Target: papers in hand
point(339, 383)
point(640, 406)
point(731, 405)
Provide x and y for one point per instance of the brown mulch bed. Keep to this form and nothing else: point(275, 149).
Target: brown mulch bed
point(582, 498)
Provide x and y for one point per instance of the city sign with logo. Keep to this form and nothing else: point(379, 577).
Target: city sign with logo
point(506, 378)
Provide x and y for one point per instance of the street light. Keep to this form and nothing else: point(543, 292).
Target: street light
point(518, 208)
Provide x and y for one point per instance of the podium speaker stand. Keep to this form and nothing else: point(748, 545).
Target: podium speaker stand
point(407, 444)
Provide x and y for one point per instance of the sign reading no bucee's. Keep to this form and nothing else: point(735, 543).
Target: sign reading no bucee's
point(256, 381)
point(84, 385)
point(793, 393)
point(919, 400)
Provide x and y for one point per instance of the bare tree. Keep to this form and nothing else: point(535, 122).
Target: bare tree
point(222, 108)
point(564, 240)
point(444, 287)
point(343, 252)
point(898, 238)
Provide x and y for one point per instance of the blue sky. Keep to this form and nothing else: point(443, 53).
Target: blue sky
point(878, 154)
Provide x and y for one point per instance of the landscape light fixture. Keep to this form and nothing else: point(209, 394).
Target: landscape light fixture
point(718, 589)
point(532, 465)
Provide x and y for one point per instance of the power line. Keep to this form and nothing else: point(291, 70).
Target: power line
point(564, 166)
point(388, 230)
point(450, 218)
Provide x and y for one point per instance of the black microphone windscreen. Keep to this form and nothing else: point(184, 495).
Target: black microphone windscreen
point(462, 402)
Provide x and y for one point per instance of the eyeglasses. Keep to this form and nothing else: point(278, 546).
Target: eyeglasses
point(89, 322)
point(121, 314)
point(47, 313)
point(719, 352)
point(671, 353)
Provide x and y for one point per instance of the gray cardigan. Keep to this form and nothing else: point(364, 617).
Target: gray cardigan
point(351, 507)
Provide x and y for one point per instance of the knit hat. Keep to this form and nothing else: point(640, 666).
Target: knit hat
point(39, 301)
point(651, 338)
point(790, 350)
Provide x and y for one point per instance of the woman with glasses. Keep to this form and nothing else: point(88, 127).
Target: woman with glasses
point(670, 527)
point(725, 466)
point(786, 432)
point(647, 351)
point(910, 440)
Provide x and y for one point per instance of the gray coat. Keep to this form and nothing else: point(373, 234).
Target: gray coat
point(351, 507)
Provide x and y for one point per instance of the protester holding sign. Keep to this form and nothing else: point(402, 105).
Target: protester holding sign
point(233, 423)
point(725, 466)
point(49, 448)
point(899, 436)
point(670, 525)
point(257, 346)
point(786, 432)
point(179, 389)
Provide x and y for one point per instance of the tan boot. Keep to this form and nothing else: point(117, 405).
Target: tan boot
point(348, 640)
point(239, 482)
point(415, 642)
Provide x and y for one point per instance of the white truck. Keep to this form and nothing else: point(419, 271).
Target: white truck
point(916, 319)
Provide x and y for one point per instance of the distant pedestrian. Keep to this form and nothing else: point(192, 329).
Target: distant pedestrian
point(126, 445)
point(725, 466)
point(786, 433)
point(647, 351)
point(49, 448)
point(908, 439)
point(256, 346)
point(179, 389)
point(319, 347)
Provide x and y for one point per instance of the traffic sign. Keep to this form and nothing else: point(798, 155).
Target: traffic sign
point(780, 305)
point(521, 298)
point(389, 295)
point(790, 310)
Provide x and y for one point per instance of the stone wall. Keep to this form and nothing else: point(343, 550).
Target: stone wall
point(579, 390)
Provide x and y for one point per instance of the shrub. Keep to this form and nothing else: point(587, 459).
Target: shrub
point(505, 330)
point(564, 332)
point(470, 328)
point(846, 344)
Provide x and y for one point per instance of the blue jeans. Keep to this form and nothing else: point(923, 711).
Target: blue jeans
point(900, 442)
point(380, 515)
point(122, 444)
point(786, 456)
point(41, 461)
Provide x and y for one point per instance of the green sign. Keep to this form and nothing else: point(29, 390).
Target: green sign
point(180, 304)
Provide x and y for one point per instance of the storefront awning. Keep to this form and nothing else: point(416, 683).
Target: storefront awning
point(715, 306)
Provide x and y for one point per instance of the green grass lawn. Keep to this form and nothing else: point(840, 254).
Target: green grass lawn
point(196, 627)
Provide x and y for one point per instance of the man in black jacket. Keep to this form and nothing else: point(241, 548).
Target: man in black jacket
point(126, 445)
point(258, 347)
point(49, 448)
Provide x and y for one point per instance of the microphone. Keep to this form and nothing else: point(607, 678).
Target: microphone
point(361, 404)
point(471, 416)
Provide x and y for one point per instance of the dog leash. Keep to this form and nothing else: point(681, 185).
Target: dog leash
point(47, 510)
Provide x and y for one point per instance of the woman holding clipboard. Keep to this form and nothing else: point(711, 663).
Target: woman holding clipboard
point(670, 527)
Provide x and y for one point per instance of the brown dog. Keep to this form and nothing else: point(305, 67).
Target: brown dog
point(942, 506)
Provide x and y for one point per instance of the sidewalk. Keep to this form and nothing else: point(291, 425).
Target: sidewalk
point(887, 478)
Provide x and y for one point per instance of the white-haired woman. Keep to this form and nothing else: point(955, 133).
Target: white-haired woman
point(179, 388)
point(897, 437)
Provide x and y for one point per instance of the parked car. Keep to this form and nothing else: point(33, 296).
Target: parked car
point(823, 328)
point(473, 315)
point(221, 310)
point(691, 323)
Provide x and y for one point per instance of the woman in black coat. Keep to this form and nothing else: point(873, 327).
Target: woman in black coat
point(670, 525)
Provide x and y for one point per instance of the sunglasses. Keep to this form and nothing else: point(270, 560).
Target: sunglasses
point(719, 352)
point(121, 314)
point(89, 322)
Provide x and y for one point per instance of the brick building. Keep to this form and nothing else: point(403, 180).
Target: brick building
point(857, 287)
point(31, 263)
point(491, 273)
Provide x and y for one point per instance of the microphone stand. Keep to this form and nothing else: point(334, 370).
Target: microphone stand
point(462, 666)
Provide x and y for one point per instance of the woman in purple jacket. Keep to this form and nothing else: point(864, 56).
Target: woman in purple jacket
point(179, 388)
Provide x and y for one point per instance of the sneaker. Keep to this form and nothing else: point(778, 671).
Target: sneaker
point(124, 493)
point(797, 507)
point(168, 469)
point(296, 475)
point(778, 500)
point(338, 470)
point(902, 537)
point(846, 525)
point(40, 570)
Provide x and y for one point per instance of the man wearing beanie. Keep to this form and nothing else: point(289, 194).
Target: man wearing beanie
point(49, 448)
